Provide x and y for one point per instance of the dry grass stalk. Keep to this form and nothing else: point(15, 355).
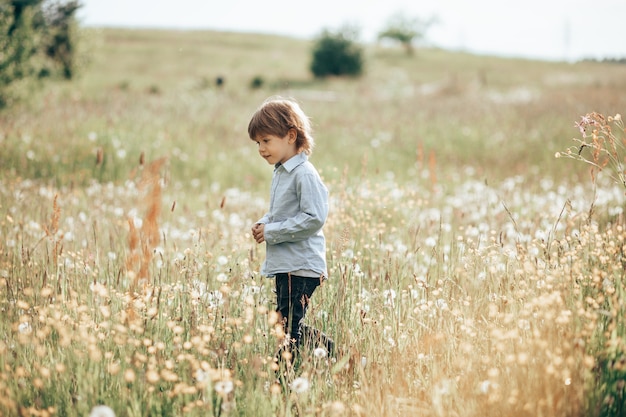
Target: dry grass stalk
point(143, 241)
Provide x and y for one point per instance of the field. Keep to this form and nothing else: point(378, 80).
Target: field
point(472, 272)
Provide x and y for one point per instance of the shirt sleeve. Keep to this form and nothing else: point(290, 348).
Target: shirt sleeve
point(265, 219)
point(309, 219)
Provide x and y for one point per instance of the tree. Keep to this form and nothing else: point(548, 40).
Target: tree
point(60, 45)
point(406, 30)
point(37, 40)
point(337, 53)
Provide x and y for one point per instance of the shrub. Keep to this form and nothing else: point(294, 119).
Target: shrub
point(337, 53)
point(257, 82)
point(37, 40)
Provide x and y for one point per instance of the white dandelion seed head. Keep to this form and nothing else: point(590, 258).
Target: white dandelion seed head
point(224, 387)
point(389, 294)
point(214, 298)
point(102, 411)
point(320, 353)
point(300, 385)
point(251, 289)
point(200, 375)
point(24, 328)
point(523, 324)
point(348, 254)
point(484, 386)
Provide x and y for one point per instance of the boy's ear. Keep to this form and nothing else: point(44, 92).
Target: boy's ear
point(293, 135)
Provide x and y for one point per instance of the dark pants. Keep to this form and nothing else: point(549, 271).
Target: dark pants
point(292, 295)
point(292, 298)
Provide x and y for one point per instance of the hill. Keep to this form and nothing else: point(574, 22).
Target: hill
point(155, 91)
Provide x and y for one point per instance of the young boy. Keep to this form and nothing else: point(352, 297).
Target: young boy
point(292, 229)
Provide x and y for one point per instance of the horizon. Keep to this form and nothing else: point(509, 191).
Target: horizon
point(547, 30)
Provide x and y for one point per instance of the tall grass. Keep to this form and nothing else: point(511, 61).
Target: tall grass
point(471, 272)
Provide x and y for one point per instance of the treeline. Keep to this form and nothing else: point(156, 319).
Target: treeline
point(38, 40)
point(608, 60)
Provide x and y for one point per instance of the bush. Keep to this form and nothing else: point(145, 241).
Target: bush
point(37, 40)
point(337, 53)
point(257, 82)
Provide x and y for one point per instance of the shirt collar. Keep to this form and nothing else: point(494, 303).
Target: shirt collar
point(293, 162)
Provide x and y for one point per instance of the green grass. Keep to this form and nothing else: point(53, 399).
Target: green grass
point(472, 272)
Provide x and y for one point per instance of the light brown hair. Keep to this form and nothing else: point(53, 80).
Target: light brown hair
point(276, 116)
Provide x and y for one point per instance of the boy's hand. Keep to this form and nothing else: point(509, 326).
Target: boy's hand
point(257, 232)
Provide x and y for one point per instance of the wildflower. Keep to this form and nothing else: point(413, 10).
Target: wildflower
point(102, 411)
point(201, 375)
point(300, 385)
point(581, 127)
point(251, 290)
point(223, 388)
point(129, 375)
point(152, 376)
point(198, 289)
point(214, 299)
point(485, 386)
point(389, 296)
point(320, 353)
point(24, 328)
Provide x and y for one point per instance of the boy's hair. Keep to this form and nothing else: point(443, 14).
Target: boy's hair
point(276, 116)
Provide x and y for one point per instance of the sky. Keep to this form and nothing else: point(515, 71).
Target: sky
point(567, 30)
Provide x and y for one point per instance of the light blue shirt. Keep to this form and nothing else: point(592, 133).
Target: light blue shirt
point(293, 233)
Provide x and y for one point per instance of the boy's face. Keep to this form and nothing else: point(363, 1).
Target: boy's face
point(275, 149)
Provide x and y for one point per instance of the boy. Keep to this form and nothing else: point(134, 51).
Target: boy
point(292, 228)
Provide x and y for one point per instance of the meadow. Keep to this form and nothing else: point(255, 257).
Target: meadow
point(472, 272)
